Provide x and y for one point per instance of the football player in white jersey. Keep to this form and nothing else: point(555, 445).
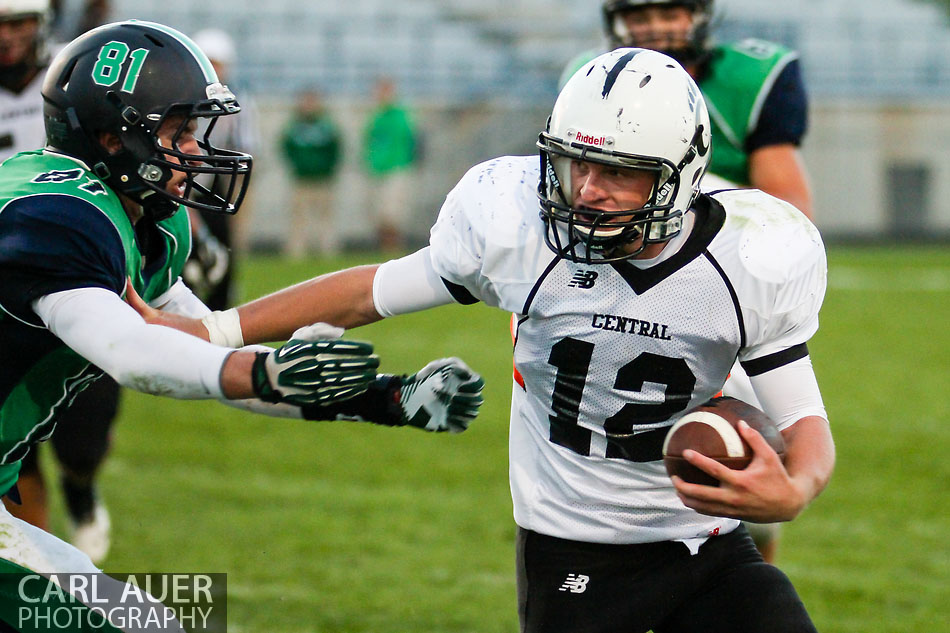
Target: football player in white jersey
point(23, 57)
point(635, 294)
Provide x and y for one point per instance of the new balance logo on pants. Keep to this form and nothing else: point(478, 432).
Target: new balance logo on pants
point(575, 583)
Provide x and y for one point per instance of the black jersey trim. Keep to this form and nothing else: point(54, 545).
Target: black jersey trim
point(759, 366)
point(459, 293)
point(537, 285)
point(710, 217)
point(732, 293)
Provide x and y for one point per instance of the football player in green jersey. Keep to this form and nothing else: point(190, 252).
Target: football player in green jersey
point(83, 434)
point(753, 88)
point(99, 213)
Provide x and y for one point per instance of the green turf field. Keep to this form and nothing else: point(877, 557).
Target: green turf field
point(326, 527)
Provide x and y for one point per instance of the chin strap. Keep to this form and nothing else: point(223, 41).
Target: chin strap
point(158, 208)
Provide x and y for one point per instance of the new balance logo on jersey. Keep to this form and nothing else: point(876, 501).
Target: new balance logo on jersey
point(583, 279)
point(575, 583)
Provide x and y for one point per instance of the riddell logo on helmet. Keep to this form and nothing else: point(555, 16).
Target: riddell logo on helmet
point(588, 139)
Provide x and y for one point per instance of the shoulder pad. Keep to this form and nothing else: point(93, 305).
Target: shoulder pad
point(774, 241)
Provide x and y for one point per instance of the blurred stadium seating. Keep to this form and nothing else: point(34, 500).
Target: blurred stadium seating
point(456, 50)
point(482, 75)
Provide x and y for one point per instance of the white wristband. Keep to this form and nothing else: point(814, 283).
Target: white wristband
point(224, 328)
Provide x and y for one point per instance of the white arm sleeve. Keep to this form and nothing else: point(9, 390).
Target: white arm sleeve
point(789, 393)
point(102, 328)
point(409, 284)
point(275, 410)
point(179, 299)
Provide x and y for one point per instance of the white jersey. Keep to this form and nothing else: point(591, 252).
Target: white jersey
point(21, 119)
point(624, 350)
point(712, 182)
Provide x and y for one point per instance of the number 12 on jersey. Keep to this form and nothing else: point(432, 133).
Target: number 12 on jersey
point(572, 358)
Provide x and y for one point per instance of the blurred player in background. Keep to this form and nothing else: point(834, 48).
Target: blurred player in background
point(757, 101)
point(758, 108)
point(390, 154)
point(635, 294)
point(23, 58)
point(98, 215)
point(312, 146)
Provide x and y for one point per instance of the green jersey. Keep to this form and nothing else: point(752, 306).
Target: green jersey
point(755, 97)
point(61, 228)
point(389, 141)
point(311, 145)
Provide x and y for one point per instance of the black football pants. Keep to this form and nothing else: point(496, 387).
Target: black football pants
point(573, 587)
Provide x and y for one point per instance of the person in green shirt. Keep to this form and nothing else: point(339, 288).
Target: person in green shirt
point(390, 152)
point(312, 147)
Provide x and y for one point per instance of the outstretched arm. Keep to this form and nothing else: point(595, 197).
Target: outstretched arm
point(100, 327)
point(348, 298)
point(343, 298)
point(445, 395)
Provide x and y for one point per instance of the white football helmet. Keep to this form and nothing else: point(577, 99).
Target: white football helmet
point(25, 8)
point(629, 108)
point(15, 10)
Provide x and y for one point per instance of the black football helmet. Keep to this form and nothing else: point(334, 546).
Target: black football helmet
point(698, 41)
point(127, 78)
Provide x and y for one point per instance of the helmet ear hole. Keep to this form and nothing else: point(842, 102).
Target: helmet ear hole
point(110, 142)
point(562, 170)
point(67, 73)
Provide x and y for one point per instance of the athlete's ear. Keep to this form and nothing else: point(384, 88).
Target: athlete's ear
point(110, 142)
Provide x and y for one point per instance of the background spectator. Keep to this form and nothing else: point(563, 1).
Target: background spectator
point(311, 146)
point(390, 153)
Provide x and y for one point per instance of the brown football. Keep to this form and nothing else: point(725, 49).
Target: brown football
point(710, 429)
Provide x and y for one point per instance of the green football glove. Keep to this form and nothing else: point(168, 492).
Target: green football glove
point(445, 395)
point(313, 368)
